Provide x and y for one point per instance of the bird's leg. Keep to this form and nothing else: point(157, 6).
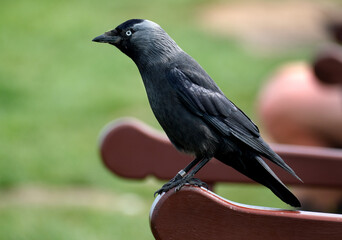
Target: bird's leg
point(189, 179)
point(180, 175)
point(181, 178)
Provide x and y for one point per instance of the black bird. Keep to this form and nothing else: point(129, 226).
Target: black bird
point(194, 113)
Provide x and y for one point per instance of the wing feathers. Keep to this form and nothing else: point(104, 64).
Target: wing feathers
point(211, 104)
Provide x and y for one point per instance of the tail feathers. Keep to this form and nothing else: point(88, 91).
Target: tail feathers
point(271, 181)
point(275, 158)
point(265, 150)
point(255, 168)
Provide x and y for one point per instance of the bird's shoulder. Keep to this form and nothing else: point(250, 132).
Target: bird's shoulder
point(191, 70)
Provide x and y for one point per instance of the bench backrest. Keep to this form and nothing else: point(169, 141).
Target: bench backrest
point(131, 149)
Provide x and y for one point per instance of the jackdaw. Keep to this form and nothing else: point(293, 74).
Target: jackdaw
point(194, 113)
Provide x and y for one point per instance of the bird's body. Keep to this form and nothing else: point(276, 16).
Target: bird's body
point(193, 135)
point(194, 113)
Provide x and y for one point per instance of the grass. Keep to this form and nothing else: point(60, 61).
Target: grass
point(70, 223)
point(58, 89)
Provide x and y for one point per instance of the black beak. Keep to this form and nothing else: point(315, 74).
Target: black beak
point(108, 37)
point(101, 38)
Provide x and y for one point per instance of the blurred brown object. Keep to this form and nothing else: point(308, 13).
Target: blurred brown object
point(295, 108)
point(335, 31)
point(327, 65)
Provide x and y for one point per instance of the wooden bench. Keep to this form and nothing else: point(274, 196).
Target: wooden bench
point(132, 149)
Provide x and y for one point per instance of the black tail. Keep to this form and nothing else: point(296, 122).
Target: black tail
point(255, 168)
point(260, 146)
point(270, 180)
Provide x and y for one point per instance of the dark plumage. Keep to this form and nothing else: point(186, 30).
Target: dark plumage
point(194, 113)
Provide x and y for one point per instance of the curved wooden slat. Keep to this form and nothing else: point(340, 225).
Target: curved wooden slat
point(196, 213)
point(131, 149)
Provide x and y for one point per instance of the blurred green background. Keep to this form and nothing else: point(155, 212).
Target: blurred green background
point(57, 91)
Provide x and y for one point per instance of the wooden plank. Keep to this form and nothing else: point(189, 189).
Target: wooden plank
point(195, 213)
point(131, 149)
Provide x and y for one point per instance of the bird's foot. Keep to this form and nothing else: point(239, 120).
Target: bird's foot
point(178, 183)
point(191, 181)
point(171, 184)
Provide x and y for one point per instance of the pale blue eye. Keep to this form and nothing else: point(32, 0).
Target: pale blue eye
point(129, 33)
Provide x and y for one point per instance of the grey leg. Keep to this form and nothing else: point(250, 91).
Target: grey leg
point(181, 178)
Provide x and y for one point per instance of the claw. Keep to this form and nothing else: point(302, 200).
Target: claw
point(191, 181)
point(171, 184)
point(178, 183)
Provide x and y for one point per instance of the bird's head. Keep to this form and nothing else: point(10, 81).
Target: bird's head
point(141, 40)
